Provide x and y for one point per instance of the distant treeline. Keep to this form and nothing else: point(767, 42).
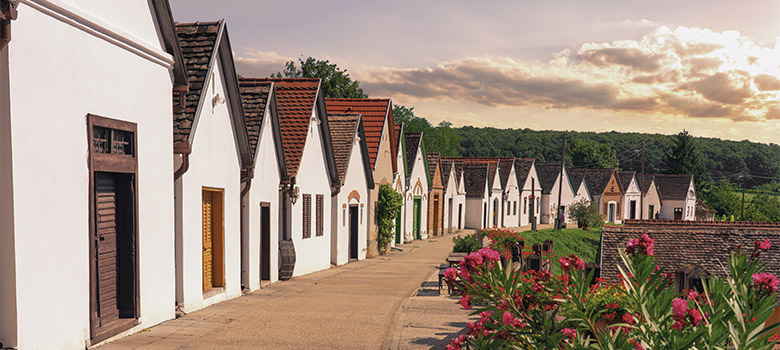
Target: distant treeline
point(722, 159)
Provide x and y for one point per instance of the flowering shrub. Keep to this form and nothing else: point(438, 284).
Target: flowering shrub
point(535, 310)
point(502, 240)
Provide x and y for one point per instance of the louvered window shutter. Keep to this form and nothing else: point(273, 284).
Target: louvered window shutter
point(306, 216)
point(320, 214)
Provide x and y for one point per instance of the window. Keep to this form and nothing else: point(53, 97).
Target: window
point(525, 205)
point(515, 211)
point(537, 205)
point(306, 216)
point(320, 214)
point(508, 207)
point(344, 216)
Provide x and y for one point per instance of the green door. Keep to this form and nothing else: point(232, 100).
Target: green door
point(417, 213)
point(398, 228)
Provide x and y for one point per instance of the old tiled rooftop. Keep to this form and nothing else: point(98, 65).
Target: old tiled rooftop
point(673, 186)
point(373, 112)
point(475, 179)
point(254, 99)
point(597, 179)
point(547, 173)
point(412, 140)
point(342, 135)
point(197, 41)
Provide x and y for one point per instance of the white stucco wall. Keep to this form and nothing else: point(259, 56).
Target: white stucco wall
point(450, 195)
point(264, 189)
point(354, 180)
point(496, 196)
point(418, 187)
point(582, 193)
point(312, 254)
point(474, 212)
point(514, 211)
point(56, 75)
point(214, 164)
point(400, 187)
point(688, 206)
point(632, 194)
point(524, 207)
point(550, 201)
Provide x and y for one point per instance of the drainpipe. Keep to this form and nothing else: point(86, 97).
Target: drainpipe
point(247, 174)
point(185, 165)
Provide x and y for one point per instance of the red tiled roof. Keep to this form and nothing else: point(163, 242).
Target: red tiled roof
point(397, 134)
point(373, 112)
point(295, 101)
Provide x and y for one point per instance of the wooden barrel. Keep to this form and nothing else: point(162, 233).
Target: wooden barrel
point(287, 255)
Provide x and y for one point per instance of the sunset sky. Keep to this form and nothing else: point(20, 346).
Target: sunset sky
point(712, 67)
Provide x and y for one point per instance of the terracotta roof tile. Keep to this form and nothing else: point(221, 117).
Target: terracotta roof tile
point(342, 135)
point(197, 41)
point(295, 101)
point(397, 134)
point(254, 100)
point(492, 162)
point(373, 112)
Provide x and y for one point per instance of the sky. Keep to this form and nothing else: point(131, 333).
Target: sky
point(711, 67)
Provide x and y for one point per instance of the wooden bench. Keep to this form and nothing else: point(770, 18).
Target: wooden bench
point(454, 258)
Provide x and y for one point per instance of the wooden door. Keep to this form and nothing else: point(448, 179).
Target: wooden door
point(632, 209)
point(435, 226)
point(213, 239)
point(460, 216)
point(353, 232)
point(265, 242)
point(398, 227)
point(107, 252)
point(208, 240)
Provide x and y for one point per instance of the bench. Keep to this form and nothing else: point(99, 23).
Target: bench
point(442, 269)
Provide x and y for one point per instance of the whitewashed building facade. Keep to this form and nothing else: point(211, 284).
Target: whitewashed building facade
point(416, 201)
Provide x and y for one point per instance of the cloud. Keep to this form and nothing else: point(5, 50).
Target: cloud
point(258, 64)
point(682, 71)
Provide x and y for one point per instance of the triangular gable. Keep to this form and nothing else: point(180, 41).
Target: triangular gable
point(203, 44)
point(377, 115)
point(258, 99)
point(344, 129)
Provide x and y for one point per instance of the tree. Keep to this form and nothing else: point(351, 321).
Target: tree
point(336, 83)
point(442, 138)
point(586, 213)
point(591, 154)
point(683, 158)
point(722, 197)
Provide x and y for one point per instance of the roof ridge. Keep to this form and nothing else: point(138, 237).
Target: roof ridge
point(199, 23)
point(356, 99)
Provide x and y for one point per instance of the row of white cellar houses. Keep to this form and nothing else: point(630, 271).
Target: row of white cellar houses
point(171, 183)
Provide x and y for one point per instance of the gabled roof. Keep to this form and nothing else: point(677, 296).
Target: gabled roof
point(458, 170)
point(374, 114)
point(648, 182)
point(492, 162)
point(397, 131)
point(202, 43)
point(446, 169)
point(578, 180)
point(344, 128)
point(673, 186)
point(523, 168)
point(625, 178)
point(475, 178)
point(296, 100)
point(433, 159)
point(598, 179)
point(506, 165)
point(548, 174)
point(257, 97)
point(412, 142)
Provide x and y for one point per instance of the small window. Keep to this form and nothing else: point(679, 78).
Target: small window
point(525, 206)
point(320, 214)
point(515, 211)
point(112, 141)
point(306, 216)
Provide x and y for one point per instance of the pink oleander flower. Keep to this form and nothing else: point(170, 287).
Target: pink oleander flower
point(536, 287)
point(464, 301)
point(490, 255)
point(692, 295)
point(765, 283)
point(628, 318)
point(764, 245)
point(644, 245)
point(508, 318)
point(695, 316)
point(451, 274)
point(678, 325)
point(569, 333)
point(679, 308)
point(571, 261)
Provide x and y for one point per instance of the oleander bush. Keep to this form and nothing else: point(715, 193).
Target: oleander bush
point(535, 310)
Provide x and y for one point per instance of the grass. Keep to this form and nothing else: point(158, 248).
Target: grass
point(582, 243)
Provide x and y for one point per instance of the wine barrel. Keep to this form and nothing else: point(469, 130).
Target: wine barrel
point(287, 254)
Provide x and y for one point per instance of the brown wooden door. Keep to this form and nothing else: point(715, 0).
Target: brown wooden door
point(106, 237)
point(208, 237)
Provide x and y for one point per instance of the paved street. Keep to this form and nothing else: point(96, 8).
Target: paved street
point(371, 304)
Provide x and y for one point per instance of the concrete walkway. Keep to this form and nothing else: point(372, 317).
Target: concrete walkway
point(357, 306)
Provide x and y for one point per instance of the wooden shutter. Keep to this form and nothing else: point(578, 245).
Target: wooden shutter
point(306, 216)
point(208, 236)
point(105, 193)
point(320, 214)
